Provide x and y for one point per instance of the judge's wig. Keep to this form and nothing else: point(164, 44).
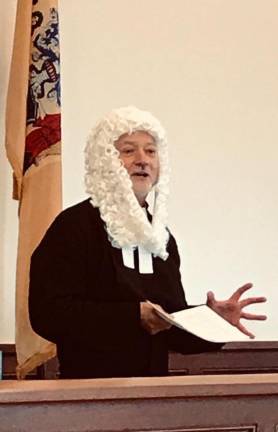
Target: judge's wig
point(110, 187)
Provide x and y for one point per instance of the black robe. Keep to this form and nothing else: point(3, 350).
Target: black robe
point(85, 300)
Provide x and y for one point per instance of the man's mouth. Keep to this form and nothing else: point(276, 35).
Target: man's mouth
point(141, 174)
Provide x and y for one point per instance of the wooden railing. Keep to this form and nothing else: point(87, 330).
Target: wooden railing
point(234, 358)
point(211, 403)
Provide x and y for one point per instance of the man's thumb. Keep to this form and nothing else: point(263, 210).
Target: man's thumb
point(210, 298)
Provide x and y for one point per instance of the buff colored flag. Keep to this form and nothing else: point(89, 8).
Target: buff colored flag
point(33, 145)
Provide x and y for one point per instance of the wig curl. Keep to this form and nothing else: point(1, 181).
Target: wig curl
point(110, 187)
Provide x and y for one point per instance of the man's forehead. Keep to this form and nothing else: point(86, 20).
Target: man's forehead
point(137, 136)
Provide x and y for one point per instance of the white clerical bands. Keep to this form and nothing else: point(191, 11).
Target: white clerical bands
point(145, 259)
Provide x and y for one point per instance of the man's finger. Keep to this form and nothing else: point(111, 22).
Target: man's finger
point(210, 298)
point(252, 300)
point(155, 330)
point(159, 323)
point(245, 331)
point(250, 316)
point(238, 293)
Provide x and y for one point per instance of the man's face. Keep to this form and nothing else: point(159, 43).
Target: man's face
point(139, 155)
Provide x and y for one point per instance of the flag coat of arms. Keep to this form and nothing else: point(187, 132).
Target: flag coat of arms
point(33, 145)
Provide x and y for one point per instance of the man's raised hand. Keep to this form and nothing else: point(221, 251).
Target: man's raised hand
point(232, 308)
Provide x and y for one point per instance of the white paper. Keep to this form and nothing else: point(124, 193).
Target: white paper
point(204, 323)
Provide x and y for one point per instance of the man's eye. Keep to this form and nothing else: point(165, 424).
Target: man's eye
point(151, 151)
point(127, 151)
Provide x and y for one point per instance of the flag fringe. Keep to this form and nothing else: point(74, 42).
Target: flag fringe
point(35, 360)
point(16, 188)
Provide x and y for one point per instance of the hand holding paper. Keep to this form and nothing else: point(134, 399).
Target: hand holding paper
point(218, 321)
point(150, 320)
point(204, 323)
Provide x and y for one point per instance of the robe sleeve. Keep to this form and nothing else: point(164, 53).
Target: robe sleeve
point(179, 340)
point(58, 302)
point(184, 342)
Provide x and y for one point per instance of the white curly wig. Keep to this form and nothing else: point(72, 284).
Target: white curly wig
point(110, 187)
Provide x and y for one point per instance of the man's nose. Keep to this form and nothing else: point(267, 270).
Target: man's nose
point(141, 159)
point(141, 164)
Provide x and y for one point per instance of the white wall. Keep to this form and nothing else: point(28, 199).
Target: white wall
point(208, 69)
point(8, 207)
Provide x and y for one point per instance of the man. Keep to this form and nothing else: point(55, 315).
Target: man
point(101, 260)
